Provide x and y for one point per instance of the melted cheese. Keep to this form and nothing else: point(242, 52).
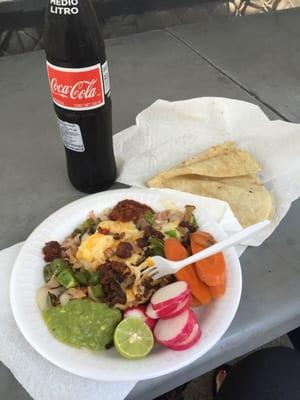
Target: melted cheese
point(147, 263)
point(131, 260)
point(129, 228)
point(91, 251)
point(130, 296)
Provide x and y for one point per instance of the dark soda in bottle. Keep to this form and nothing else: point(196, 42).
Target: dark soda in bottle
point(80, 88)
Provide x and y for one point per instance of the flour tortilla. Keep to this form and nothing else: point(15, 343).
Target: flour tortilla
point(248, 198)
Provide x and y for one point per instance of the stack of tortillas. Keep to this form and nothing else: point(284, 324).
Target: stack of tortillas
point(223, 172)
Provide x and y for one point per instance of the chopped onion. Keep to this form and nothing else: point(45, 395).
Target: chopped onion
point(84, 236)
point(57, 291)
point(52, 283)
point(90, 293)
point(43, 299)
point(92, 215)
point(64, 298)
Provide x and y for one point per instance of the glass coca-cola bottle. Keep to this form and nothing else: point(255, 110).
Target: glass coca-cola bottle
point(79, 84)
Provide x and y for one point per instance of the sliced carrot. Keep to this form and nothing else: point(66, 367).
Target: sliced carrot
point(199, 290)
point(218, 290)
point(203, 239)
point(211, 270)
point(175, 251)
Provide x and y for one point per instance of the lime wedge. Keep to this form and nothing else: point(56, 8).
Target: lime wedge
point(133, 338)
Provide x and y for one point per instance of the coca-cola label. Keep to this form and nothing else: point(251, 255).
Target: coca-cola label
point(76, 88)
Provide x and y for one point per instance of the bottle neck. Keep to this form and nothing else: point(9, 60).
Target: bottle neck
point(66, 7)
point(72, 34)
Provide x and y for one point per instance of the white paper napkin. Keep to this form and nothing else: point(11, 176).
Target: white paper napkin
point(42, 380)
point(167, 133)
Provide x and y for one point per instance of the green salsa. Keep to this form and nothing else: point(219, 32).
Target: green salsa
point(83, 323)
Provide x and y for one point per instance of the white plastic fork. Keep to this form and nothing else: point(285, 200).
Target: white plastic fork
point(164, 267)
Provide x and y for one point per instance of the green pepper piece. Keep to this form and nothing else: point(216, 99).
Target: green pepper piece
point(94, 278)
point(47, 272)
point(155, 242)
point(66, 279)
point(57, 265)
point(157, 251)
point(88, 225)
point(156, 246)
point(171, 233)
point(149, 217)
point(97, 291)
point(54, 268)
point(82, 277)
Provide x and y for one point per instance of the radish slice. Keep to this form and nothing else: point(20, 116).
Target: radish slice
point(150, 322)
point(150, 312)
point(174, 293)
point(140, 312)
point(179, 309)
point(164, 312)
point(175, 330)
point(190, 341)
point(136, 312)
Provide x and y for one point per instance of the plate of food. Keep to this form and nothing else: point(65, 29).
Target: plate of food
point(83, 297)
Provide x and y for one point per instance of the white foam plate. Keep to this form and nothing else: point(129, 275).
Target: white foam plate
point(27, 277)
